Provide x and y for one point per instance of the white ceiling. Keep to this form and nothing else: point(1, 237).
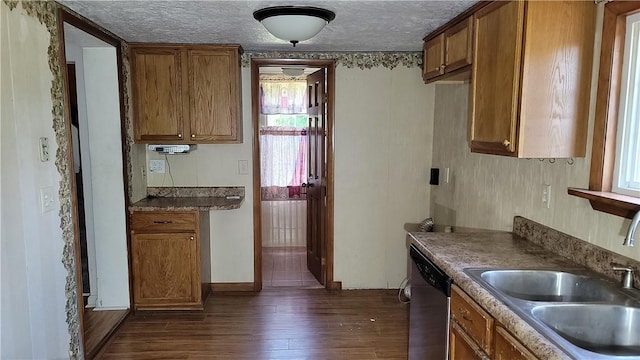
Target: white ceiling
point(382, 25)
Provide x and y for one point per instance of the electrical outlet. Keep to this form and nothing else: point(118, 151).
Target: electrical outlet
point(156, 166)
point(546, 195)
point(47, 199)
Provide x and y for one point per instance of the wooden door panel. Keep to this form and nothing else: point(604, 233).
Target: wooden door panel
point(508, 348)
point(433, 54)
point(156, 82)
point(165, 268)
point(316, 181)
point(461, 347)
point(496, 77)
point(458, 45)
point(211, 93)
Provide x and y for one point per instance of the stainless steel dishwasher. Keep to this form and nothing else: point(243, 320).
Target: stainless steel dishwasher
point(429, 309)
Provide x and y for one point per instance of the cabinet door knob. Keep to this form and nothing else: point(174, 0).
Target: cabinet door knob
point(180, 136)
point(191, 238)
point(506, 143)
point(193, 135)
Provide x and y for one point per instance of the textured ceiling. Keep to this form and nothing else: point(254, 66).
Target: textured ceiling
point(382, 25)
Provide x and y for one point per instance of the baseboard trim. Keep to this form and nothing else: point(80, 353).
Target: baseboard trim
point(229, 286)
point(335, 285)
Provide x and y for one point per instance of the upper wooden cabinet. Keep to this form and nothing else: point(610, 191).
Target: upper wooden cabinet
point(531, 78)
point(448, 51)
point(186, 94)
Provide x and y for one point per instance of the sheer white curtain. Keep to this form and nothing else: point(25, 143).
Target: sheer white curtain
point(283, 150)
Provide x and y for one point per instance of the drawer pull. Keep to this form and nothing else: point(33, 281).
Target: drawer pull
point(163, 222)
point(464, 316)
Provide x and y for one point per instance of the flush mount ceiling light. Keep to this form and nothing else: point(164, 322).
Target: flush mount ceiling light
point(294, 23)
point(292, 71)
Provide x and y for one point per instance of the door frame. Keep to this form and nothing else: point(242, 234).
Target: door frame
point(65, 16)
point(330, 66)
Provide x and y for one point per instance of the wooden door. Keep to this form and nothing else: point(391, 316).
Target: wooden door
point(213, 95)
point(165, 269)
point(496, 77)
point(433, 58)
point(157, 94)
point(317, 177)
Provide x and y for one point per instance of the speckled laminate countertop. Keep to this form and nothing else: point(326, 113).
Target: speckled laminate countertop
point(453, 252)
point(201, 203)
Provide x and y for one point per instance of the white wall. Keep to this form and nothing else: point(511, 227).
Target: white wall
point(487, 191)
point(103, 112)
point(383, 130)
point(383, 138)
point(32, 313)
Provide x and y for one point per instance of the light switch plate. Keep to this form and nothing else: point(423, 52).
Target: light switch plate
point(44, 149)
point(243, 167)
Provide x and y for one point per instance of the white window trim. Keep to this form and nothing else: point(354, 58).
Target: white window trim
point(628, 132)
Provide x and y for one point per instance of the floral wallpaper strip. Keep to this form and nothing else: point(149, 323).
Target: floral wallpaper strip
point(360, 60)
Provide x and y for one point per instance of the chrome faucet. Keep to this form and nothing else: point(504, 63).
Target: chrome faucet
point(627, 280)
point(631, 234)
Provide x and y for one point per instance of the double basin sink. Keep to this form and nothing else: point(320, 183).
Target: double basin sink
point(584, 314)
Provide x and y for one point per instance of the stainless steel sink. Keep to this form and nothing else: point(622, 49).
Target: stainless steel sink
point(603, 329)
point(547, 285)
point(583, 313)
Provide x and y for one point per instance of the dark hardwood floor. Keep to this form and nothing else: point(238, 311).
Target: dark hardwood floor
point(98, 325)
point(274, 324)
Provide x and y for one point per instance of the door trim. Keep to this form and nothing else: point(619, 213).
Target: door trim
point(330, 65)
point(65, 16)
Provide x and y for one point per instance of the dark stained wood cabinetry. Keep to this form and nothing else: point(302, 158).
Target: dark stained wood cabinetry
point(186, 94)
point(170, 258)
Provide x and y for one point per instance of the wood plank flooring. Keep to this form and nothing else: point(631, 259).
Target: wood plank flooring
point(273, 324)
point(98, 325)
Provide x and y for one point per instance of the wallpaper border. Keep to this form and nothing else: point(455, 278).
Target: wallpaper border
point(362, 60)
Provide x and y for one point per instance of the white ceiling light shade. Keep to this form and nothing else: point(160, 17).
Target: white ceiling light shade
point(293, 71)
point(294, 23)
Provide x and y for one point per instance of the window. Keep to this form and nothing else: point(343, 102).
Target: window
point(614, 173)
point(627, 164)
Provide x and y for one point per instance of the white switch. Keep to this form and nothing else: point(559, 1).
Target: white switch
point(546, 195)
point(243, 167)
point(156, 166)
point(44, 149)
point(47, 199)
point(446, 175)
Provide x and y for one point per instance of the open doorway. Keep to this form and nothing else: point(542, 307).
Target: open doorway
point(293, 166)
point(93, 107)
point(283, 130)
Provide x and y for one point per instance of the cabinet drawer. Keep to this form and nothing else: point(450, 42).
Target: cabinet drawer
point(164, 221)
point(474, 320)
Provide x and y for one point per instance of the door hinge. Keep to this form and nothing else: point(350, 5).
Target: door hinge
point(325, 98)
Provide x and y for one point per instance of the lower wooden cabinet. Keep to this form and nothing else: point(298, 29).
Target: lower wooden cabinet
point(462, 347)
point(474, 334)
point(508, 348)
point(171, 259)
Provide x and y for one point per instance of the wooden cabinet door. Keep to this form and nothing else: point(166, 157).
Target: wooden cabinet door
point(433, 57)
point(458, 45)
point(461, 347)
point(213, 87)
point(157, 94)
point(165, 269)
point(508, 348)
point(496, 77)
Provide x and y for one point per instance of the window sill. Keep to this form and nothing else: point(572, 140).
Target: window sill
point(608, 202)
